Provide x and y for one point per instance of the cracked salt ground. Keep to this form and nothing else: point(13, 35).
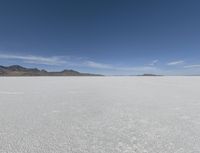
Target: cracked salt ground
point(10, 93)
point(100, 115)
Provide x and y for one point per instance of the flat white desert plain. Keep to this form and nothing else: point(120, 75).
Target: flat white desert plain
point(100, 114)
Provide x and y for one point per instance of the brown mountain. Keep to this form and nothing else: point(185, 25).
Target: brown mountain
point(16, 70)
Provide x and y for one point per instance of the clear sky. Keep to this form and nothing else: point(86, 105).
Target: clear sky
point(102, 36)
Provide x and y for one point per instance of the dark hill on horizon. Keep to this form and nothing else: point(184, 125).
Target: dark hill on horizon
point(17, 70)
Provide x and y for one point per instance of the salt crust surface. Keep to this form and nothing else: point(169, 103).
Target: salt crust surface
point(99, 114)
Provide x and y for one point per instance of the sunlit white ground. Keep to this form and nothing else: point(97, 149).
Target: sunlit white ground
point(100, 115)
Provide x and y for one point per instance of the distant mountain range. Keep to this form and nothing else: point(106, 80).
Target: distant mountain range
point(17, 70)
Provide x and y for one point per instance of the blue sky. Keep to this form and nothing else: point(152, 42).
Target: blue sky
point(106, 36)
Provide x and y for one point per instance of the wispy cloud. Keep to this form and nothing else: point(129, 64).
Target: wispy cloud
point(138, 69)
point(35, 59)
point(192, 66)
point(154, 62)
point(175, 62)
point(74, 62)
point(93, 64)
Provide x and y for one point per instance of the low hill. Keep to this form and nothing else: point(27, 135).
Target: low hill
point(17, 70)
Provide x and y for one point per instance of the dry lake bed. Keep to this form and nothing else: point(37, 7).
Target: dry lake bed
point(99, 114)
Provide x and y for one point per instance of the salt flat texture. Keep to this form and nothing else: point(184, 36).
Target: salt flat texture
point(100, 115)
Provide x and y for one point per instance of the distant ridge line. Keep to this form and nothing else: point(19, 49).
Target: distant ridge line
point(17, 70)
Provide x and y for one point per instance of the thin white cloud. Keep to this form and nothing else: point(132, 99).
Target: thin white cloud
point(35, 59)
point(93, 64)
point(154, 62)
point(192, 66)
point(175, 63)
point(79, 62)
point(138, 69)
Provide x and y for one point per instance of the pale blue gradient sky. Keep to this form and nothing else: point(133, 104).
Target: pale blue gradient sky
point(105, 36)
